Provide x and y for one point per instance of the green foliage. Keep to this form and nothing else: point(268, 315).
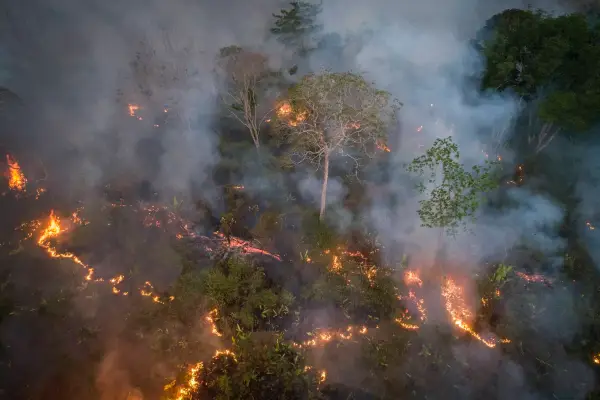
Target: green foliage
point(243, 296)
point(364, 293)
point(318, 234)
point(501, 273)
point(269, 224)
point(227, 222)
point(188, 294)
point(259, 369)
point(536, 54)
point(457, 195)
point(295, 26)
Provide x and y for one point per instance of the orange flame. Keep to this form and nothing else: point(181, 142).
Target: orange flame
point(412, 278)
point(285, 111)
point(324, 336)
point(245, 246)
point(54, 229)
point(133, 108)
point(16, 178)
point(210, 318)
point(535, 278)
point(186, 390)
point(460, 314)
point(383, 147)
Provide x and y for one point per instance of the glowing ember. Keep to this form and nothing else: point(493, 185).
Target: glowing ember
point(336, 264)
point(535, 278)
point(590, 226)
point(133, 108)
point(596, 358)
point(148, 291)
point(228, 353)
point(383, 147)
point(322, 376)
point(16, 178)
point(245, 246)
point(285, 111)
point(324, 336)
point(39, 192)
point(54, 229)
point(412, 278)
point(406, 325)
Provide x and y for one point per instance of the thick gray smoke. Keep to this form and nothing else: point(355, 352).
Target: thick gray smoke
point(420, 52)
point(77, 66)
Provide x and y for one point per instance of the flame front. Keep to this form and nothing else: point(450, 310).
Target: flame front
point(210, 318)
point(54, 228)
point(16, 178)
point(285, 111)
point(459, 313)
point(186, 390)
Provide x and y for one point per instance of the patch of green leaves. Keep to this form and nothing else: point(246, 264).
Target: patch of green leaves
point(454, 193)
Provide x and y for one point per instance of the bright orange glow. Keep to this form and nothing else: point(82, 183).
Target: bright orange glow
point(322, 376)
point(185, 391)
point(285, 111)
point(324, 336)
point(412, 278)
point(459, 313)
point(535, 278)
point(210, 318)
point(383, 147)
point(245, 246)
point(54, 229)
point(16, 178)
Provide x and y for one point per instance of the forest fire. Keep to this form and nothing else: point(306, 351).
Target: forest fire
point(54, 228)
point(412, 278)
point(245, 246)
point(16, 178)
point(535, 278)
point(460, 314)
point(210, 318)
point(285, 111)
point(133, 109)
point(185, 391)
point(383, 147)
point(323, 336)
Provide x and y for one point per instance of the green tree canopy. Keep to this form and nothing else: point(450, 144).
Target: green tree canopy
point(243, 297)
point(554, 59)
point(295, 26)
point(454, 193)
point(258, 369)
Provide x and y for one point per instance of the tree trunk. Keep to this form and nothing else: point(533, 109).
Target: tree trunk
point(324, 187)
point(438, 263)
point(255, 135)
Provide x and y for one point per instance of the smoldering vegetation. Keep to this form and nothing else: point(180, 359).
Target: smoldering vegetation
point(161, 235)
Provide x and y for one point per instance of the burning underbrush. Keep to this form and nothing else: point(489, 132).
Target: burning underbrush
point(352, 314)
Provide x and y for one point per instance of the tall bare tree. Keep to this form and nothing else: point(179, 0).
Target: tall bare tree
point(245, 75)
point(331, 113)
